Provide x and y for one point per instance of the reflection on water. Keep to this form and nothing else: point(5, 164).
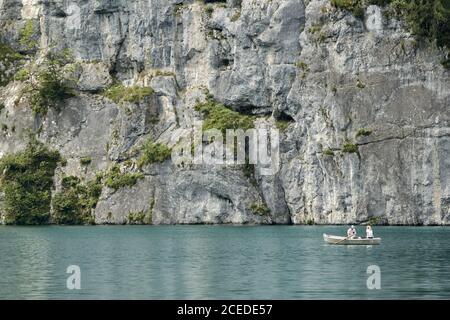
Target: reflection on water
point(213, 262)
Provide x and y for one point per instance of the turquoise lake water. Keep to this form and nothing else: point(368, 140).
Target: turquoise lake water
point(221, 262)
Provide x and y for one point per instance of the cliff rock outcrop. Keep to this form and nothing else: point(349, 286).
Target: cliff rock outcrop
point(362, 105)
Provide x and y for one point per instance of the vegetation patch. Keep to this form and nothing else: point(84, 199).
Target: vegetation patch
point(9, 61)
point(350, 148)
point(363, 133)
point(328, 152)
point(51, 87)
point(164, 73)
point(27, 180)
point(315, 28)
point(115, 179)
point(217, 116)
point(380, 220)
point(427, 19)
point(360, 84)
point(356, 7)
point(85, 161)
point(75, 203)
point(304, 67)
point(153, 152)
point(282, 125)
point(139, 218)
point(22, 75)
point(121, 94)
point(334, 89)
point(178, 8)
point(209, 10)
point(150, 211)
point(136, 218)
point(27, 34)
point(260, 209)
point(446, 62)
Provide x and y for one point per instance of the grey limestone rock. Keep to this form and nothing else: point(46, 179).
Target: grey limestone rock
point(334, 79)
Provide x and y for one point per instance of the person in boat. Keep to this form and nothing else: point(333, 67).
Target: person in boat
point(351, 232)
point(369, 232)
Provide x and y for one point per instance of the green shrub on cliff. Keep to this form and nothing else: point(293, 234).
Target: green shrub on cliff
point(9, 61)
point(217, 116)
point(115, 179)
point(350, 148)
point(27, 180)
point(50, 87)
point(27, 36)
point(85, 161)
point(427, 19)
point(74, 204)
point(356, 7)
point(153, 152)
point(22, 75)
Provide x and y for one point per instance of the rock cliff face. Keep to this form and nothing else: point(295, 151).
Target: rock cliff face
point(364, 106)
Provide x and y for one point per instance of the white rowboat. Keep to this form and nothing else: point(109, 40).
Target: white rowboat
point(350, 241)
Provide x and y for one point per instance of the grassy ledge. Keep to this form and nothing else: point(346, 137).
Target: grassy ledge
point(121, 94)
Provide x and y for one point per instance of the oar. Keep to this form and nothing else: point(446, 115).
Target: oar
point(343, 239)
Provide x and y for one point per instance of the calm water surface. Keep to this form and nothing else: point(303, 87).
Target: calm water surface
point(221, 262)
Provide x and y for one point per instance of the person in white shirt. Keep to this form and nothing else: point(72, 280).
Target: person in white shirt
point(351, 232)
point(369, 232)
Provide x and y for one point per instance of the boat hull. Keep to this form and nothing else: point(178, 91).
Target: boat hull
point(352, 241)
